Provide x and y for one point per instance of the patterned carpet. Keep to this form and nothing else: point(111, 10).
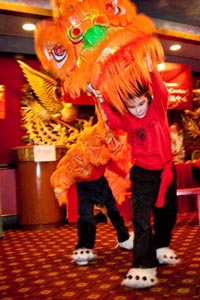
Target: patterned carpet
point(36, 265)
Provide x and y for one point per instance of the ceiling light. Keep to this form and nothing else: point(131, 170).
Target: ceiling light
point(175, 47)
point(29, 27)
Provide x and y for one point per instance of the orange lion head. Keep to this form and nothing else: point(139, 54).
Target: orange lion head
point(98, 41)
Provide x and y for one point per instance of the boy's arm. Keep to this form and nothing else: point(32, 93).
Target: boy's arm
point(114, 120)
point(158, 86)
point(110, 116)
point(159, 89)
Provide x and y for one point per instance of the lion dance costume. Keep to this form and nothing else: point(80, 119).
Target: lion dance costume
point(100, 44)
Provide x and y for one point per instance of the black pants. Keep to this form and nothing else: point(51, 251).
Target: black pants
point(148, 238)
point(96, 192)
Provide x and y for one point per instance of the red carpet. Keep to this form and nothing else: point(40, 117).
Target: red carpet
point(36, 265)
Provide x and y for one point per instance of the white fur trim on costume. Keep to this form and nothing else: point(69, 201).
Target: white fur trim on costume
point(166, 255)
point(140, 278)
point(83, 255)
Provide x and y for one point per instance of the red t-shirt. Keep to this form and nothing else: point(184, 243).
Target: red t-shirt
point(149, 137)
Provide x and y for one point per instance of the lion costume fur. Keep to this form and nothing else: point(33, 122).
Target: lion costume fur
point(103, 43)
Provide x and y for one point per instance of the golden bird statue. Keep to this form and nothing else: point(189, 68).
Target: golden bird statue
point(46, 117)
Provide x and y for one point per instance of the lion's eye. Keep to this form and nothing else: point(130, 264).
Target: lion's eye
point(59, 53)
point(75, 34)
point(59, 50)
point(111, 7)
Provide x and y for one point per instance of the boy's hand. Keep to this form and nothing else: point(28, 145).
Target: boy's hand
point(96, 93)
point(99, 98)
point(149, 62)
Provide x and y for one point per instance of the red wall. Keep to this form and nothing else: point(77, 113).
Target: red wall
point(13, 79)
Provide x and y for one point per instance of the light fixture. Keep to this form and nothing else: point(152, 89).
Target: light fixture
point(161, 67)
point(175, 47)
point(28, 26)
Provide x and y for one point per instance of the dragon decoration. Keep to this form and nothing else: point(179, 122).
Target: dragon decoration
point(96, 47)
point(191, 124)
point(191, 132)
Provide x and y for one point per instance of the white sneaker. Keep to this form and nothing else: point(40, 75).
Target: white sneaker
point(83, 255)
point(166, 255)
point(128, 244)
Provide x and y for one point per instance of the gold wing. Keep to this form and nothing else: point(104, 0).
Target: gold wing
point(44, 87)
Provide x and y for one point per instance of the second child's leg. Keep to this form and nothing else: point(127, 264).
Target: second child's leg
point(164, 221)
point(86, 220)
point(86, 226)
point(125, 239)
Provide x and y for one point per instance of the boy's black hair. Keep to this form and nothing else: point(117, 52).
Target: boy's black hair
point(142, 91)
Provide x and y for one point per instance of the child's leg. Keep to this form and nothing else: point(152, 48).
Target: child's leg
point(86, 220)
point(165, 218)
point(145, 190)
point(164, 221)
point(110, 203)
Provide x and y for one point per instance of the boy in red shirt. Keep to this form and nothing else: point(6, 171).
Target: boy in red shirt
point(152, 177)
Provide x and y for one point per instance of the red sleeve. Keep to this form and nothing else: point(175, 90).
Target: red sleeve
point(115, 120)
point(160, 93)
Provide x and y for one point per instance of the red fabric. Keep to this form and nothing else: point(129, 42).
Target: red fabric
point(114, 166)
point(167, 176)
point(96, 174)
point(72, 207)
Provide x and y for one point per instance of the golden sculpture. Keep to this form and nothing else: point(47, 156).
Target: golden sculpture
point(191, 122)
point(46, 117)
